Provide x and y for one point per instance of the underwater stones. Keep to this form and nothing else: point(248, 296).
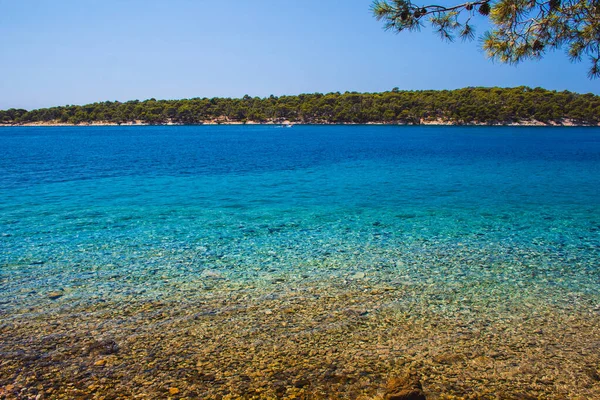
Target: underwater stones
point(300, 383)
point(359, 275)
point(407, 387)
point(55, 294)
point(593, 374)
point(211, 274)
point(100, 363)
point(104, 347)
point(173, 391)
point(447, 358)
point(256, 333)
point(279, 387)
point(408, 394)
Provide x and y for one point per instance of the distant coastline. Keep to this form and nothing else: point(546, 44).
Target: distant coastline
point(564, 123)
point(520, 106)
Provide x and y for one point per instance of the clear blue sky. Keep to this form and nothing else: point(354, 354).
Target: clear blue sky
point(82, 51)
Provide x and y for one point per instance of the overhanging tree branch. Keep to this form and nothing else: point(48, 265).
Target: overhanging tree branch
point(521, 29)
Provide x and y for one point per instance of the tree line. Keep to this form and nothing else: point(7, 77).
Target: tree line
point(461, 106)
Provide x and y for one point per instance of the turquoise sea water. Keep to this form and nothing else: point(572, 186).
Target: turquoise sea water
point(122, 213)
point(314, 262)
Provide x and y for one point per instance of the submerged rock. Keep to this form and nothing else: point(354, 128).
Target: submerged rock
point(211, 274)
point(104, 347)
point(100, 363)
point(407, 387)
point(55, 295)
point(359, 275)
point(408, 394)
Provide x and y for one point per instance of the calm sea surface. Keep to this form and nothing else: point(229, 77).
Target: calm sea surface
point(469, 220)
point(79, 205)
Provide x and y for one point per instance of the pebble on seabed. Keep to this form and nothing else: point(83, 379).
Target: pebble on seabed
point(55, 295)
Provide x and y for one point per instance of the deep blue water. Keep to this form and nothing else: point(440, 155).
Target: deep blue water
point(134, 212)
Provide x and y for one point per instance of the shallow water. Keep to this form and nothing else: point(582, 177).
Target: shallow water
point(233, 230)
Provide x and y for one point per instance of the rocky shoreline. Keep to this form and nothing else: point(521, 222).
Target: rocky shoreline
point(437, 122)
point(321, 340)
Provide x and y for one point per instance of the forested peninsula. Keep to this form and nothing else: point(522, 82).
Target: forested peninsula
point(480, 106)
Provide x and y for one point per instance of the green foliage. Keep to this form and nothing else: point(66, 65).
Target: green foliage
point(521, 29)
point(469, 105)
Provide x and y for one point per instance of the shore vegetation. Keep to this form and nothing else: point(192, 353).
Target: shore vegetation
point(486, 106)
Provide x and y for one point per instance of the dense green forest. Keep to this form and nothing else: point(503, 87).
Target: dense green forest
point(462, 106)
